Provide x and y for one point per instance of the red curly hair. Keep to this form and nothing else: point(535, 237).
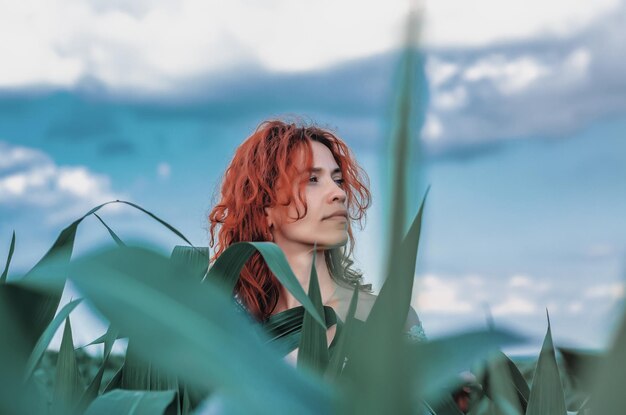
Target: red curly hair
point(261, 175)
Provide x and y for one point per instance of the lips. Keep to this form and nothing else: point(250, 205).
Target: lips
point(338, 214)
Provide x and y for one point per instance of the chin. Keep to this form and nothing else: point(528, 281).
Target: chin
point(333, 243)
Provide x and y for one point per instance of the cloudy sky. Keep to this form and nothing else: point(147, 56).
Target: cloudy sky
point(523, 141)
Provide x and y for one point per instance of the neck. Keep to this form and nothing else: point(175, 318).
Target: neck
point(300, 259)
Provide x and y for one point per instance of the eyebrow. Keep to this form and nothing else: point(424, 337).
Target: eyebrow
point(321, 169)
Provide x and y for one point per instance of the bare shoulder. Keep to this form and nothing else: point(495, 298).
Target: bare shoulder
point(365, 303)
point(364, 306)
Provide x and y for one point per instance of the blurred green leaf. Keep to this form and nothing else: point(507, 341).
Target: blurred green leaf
point(115, 382)
point(197, 259)
point(581, 366)
point(436, 364)
point(503, 391)
point(123, 402)
point(446, 406)
point(193, 331)
point(610, 378)
point(3, 277)
point(227, 268)
point(378, 356)
point(15, 397)
point(313, 348)
point(46, 338)
point(546, 392)
point(50, 273)
point(68, 386)
point(515, 376)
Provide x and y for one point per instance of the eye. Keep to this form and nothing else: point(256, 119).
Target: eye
point(339, 182)
point(313, 178)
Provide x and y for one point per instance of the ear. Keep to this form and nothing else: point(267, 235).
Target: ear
point(268, 217)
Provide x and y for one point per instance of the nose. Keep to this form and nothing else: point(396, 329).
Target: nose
point(337, 193)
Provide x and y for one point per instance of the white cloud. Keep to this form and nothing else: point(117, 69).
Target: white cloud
point(514, 305)
point(481, 22)
point(28, 177)
point(164, 170)
point(450, 99)
point(575, 307)
point(440, 71)
point(601, 250)
point(521, 281)
point(439, 295)
point(156, 47)
point(432, 129)
point(508, 75)
point(613, 291)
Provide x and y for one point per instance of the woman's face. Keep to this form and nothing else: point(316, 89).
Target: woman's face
point(325, 196)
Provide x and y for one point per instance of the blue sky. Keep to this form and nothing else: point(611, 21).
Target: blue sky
point(523, 144)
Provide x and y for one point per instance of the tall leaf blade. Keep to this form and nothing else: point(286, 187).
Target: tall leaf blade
point(50, 273)
point(3, 277)
point(122, 402)
point(379, 359)
point(46, 338)
point(606, 397)
point(94, 387)
point(15, 397)
point(503, 390)
point(313, 349)
point(546, 392)
point(337, 360)
point(68, 385)
point(116, 238)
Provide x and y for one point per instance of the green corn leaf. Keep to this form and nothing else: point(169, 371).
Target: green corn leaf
point(436, 364)
point(378, 356)
point(227, 268)
point(158, 219)
point(313, 349)
point(116, 381)
point(546, 392)
point(67, 386)
point(606, 396)
point(94, 387)
point(196, 259)
point(503, 391)
point(284, 329)
point(105, 337)
point(186, 403)
point(518, 381)
point(123, 402)
point(46, 338)
point(116, 238)
point(446, 406)
point(140, 374)
point(15, 397)
point(339, 354)
point(3, 277)
point(194, 331)
point(581, 366)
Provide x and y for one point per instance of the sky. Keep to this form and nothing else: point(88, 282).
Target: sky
point(523, 142)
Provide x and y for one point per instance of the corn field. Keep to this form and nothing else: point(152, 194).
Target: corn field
point(193, 350)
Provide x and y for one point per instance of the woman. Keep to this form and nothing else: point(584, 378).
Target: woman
point(296, 186)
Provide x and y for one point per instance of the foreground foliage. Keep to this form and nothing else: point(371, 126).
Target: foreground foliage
point(191, 347)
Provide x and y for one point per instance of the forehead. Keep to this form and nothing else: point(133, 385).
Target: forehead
point(322, 157)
